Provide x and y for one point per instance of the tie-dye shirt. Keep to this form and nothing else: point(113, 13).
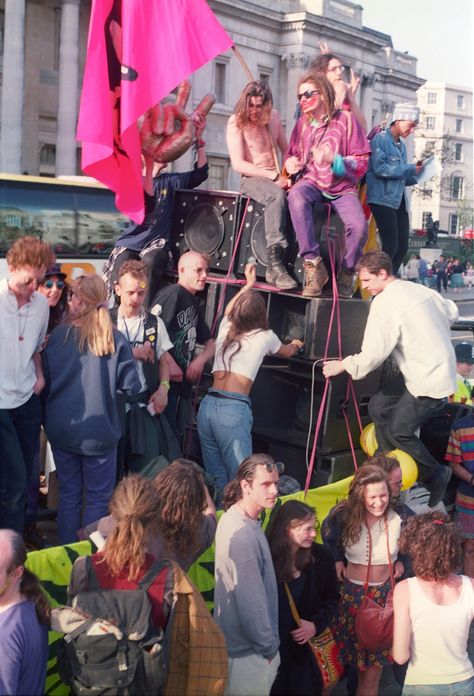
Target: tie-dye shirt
point(346, 138)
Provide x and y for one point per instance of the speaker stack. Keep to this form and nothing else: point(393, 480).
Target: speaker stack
point(286, 396)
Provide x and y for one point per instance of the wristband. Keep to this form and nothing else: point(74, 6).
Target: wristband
point(277, 177)
point(165, 383)
point(198, 144)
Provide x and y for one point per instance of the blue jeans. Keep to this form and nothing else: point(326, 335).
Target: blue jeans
point(225, 433)
point(19, 444)
point(463, 688)
point(83, 476)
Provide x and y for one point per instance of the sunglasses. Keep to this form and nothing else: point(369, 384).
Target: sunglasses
point(49, 284)
point(308, 94)
point(279, 466)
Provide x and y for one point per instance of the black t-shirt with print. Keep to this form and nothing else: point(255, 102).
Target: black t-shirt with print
point(182, 315)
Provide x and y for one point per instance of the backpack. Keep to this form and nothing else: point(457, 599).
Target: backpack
point(110, 645)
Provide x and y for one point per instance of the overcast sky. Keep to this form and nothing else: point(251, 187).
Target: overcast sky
point(437, 32)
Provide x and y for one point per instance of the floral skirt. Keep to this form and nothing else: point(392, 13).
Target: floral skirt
point(344, 628)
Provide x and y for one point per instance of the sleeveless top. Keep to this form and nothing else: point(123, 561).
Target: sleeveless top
point(439, 636)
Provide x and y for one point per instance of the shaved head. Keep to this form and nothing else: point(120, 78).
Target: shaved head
point(192, 271)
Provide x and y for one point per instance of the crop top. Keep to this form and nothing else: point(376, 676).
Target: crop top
point(255, 346)
point(359, 552)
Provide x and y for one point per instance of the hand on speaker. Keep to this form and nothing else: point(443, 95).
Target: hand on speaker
point(331, 368)
point(251, 274)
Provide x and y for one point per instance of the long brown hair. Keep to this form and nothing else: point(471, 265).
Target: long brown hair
point(93, 322)
point(249, 313)
point(134, 506)
point(182, 499)
point(434, 545)
point(352, 510)
point(257, 88)
point(326, 89)
point(292, 514)
point(30, 587)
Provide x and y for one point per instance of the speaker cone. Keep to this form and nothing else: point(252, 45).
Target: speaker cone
point(204, 228)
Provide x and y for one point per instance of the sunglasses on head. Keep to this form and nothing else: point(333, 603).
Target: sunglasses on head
point(279, 466)
point(60, 284)
point(308, 94)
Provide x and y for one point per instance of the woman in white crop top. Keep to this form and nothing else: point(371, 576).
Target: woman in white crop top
point(434, 611)
point(367, 515)
point(225, 416)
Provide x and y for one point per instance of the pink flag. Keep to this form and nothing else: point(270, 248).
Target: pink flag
point(138, 51)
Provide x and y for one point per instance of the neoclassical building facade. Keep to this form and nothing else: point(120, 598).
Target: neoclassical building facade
point(43, 51)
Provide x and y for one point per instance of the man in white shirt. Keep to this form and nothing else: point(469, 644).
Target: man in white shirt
point(411, 324)
point(24, 315)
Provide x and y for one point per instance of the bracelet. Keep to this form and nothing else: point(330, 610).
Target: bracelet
point(277, 177)
point(165, 383)
point(198, 144)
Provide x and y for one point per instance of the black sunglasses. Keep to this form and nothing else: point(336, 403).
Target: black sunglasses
point(60, 284)
point(308, 94)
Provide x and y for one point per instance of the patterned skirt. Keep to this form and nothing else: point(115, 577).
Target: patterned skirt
point(464, 514)
point(344, 628)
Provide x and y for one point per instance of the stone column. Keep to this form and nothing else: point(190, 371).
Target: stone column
point(11, 115)
point(67, 88)
point(296, 64)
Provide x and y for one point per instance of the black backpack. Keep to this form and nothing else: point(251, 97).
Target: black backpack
point(110, 645)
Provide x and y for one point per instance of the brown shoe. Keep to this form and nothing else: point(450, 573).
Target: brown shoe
point(315, 277)
point(345, 283)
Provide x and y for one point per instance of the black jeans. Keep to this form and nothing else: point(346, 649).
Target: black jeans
point(19, 444)
point(393, 229)
point(397, 414)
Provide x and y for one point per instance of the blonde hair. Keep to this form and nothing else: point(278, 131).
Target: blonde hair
point(93, 322)
point(135, 506)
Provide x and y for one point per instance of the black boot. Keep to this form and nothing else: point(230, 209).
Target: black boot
point(276, 273)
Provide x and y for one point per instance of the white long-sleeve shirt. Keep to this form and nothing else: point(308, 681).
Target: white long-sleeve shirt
point(412, 324)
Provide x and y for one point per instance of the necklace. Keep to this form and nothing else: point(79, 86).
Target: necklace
point(21, 329)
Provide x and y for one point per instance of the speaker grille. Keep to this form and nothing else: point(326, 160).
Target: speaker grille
point(204, 228)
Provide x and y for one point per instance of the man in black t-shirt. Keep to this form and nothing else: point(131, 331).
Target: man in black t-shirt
point(178, 307)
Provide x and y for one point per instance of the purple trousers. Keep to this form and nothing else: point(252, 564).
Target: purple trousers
point(81, 476)
point(301, 199)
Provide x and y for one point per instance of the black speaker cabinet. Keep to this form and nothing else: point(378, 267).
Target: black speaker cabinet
point(253, 242)
point(286, 402)
point(205, 221)
point(293, 316)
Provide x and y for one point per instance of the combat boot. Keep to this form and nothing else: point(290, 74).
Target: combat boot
point(345, 283)
point(276, 273)
point(315, 277)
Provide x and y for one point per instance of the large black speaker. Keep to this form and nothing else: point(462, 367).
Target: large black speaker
point(253, 242)
point(286, 401)
point(205, 221)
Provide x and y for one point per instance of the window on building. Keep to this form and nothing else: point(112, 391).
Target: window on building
point(458, 152)
point(220, 74)
point(431, 97)
point(48, 154)
point(453, 223)
point(459, 125)
point(430, 122)
point(457, 187)
point(460, 102)
point(218, 173)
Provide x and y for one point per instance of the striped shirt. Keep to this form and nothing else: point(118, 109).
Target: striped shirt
point(461, 450)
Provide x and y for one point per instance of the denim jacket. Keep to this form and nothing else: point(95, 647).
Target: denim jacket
point(388, 171)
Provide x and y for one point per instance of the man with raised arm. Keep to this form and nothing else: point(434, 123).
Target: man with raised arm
point(254, 136)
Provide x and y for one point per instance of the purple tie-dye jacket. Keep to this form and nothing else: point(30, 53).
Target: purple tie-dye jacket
point(345, 137)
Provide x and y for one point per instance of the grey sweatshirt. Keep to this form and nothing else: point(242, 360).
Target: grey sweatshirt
point(246, 595)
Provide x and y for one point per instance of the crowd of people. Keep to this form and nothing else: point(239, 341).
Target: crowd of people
point(442, 274)
point(112, 388)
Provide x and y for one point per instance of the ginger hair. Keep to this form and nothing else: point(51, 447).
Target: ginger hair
point(93, 322)
point(134, 506)
point(30, 251)
point(434, 545)
point(137, 269)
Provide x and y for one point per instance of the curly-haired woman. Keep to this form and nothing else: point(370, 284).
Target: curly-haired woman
point(366, 519)
point(434, 611)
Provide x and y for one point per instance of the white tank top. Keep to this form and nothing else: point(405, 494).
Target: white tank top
point(439, 637)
